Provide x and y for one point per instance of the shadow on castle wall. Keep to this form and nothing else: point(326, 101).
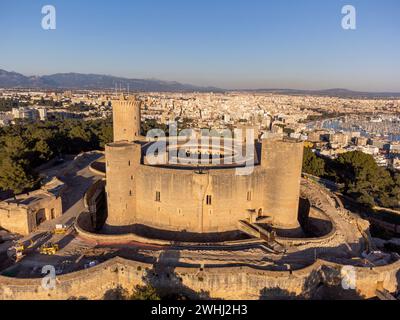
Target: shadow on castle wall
point(324, 284)
point(160, 282)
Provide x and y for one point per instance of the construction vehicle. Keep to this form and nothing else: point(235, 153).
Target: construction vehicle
point(61, 229)
point(18, 251)
point(49, 249)
point(21, 246)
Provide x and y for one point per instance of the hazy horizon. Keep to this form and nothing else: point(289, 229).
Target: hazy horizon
point(228, 89)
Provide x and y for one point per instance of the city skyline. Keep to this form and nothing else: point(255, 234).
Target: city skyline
point(230, 45)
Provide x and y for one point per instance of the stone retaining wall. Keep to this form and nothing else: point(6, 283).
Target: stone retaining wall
point(226, 283)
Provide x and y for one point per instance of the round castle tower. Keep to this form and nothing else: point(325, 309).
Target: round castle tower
point(126, 119)
point(122, 158)
point(282, 160)
point(122, 161)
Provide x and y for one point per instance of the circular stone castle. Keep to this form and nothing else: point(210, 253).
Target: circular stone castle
point(210, 198)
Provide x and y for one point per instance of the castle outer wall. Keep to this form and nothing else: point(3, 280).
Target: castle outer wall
point(221, 283)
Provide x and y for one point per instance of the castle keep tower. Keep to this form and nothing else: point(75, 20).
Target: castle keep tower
point(126, 119)
point(282, 160)
point(122, 161)
point(122, 158)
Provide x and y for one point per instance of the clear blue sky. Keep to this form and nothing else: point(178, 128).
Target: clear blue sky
point(225, 43)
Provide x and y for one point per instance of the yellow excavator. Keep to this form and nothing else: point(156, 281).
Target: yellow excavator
point(61, 229)
point(49, 249)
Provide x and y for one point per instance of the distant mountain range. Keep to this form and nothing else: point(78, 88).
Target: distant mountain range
point(104, 82)
point(94, 81)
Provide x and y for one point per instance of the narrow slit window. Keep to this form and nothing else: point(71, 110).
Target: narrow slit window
point(158, 196)
point(249, 195)
point(208, 200)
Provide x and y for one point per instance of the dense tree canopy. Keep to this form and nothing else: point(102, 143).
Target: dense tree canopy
point(24, 147)
point(16, 176)
point(362, 178)
point(312, 164)
point(146, 292)
point(8, 104)
point(365, 181)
